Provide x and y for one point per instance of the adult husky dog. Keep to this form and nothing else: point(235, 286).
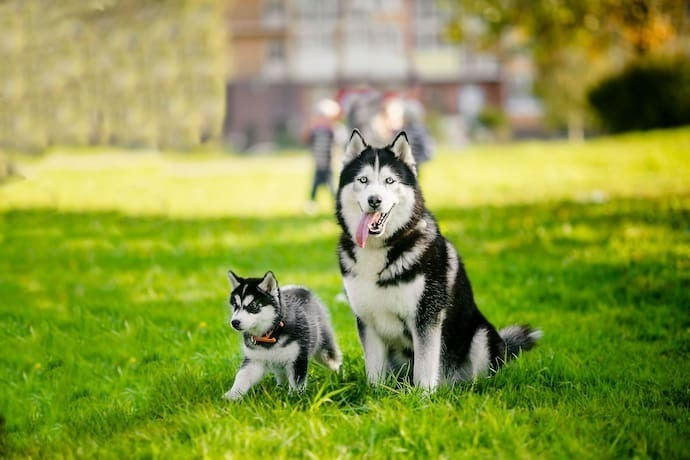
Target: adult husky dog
point(406, 283)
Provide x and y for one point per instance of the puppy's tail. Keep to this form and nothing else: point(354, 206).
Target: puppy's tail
point(519, 338)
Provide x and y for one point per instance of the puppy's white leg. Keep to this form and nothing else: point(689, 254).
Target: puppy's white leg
point(248, 375)
point(427, 356)
point(375, 353)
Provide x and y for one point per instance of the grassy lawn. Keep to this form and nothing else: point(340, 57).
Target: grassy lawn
point(114, 320)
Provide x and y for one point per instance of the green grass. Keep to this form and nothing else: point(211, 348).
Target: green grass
point(114, 323)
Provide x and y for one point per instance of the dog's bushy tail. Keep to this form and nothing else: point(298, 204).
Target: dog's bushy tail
point(519, 338)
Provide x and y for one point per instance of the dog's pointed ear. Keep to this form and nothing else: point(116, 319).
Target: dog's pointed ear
point(401, 148)
point(269, 284)
point(234, 279)
point(355, 146)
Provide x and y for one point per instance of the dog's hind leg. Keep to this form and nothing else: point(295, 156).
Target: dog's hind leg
point(400, 364)
point(480, 353)
point(329, 354)
point(297, 373)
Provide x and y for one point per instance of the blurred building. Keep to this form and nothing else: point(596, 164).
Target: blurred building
point(287, 54)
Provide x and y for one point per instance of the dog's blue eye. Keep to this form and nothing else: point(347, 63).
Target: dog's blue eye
point(363, 180)
point(389, 180)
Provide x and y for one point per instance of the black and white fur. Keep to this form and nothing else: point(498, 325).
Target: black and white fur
point(294, 316)
point(406, 283)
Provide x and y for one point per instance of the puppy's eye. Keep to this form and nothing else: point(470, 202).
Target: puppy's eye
point(389, 180)
point(363, 180)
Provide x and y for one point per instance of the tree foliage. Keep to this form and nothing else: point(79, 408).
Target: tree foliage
point(661, 90)
point(118, 72)
point(577, 42)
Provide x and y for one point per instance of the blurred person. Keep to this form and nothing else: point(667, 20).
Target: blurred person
point(362, 108)
point(320, 138)
point(417, 134)
point(389, 118)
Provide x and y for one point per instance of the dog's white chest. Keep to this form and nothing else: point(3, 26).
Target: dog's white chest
point(386, 309)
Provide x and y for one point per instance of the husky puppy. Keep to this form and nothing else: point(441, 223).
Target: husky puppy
point(406, 283)
point(282, 328)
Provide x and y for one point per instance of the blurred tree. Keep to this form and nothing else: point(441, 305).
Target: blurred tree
point(121, 72)
point(661, 89)
point(575, 42)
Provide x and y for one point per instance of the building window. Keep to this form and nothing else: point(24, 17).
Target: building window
point(306, 10)
point(329, 9)
point(317, 11)
point(392, 38)
point(426, 41)
point(471, 100)
point(273, 13)
point(424, 9)
point(275, 52)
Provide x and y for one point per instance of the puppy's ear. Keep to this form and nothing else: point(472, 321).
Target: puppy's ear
point(269, 284)
point(401, 148)
point(355, 146)
point(234, 280)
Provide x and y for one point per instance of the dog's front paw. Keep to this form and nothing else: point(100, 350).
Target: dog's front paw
point(232, 395)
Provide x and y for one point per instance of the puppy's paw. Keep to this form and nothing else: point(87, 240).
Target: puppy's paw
point(232, 396)
point(333, 364)
point(330, 359)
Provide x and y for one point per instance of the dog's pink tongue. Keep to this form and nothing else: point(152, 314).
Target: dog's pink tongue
point(363, 227)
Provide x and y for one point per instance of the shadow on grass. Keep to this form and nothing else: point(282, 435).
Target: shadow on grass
point(132, 307)
point(613, 240)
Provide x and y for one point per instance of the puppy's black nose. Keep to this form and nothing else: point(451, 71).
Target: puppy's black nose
point(374, 201)
point(235, 323)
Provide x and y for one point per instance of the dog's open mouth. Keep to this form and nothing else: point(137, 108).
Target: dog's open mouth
point(372, 223)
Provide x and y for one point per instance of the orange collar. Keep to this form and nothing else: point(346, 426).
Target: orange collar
point(268, 338)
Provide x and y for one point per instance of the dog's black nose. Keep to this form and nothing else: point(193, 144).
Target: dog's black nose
point(374, 201)
point(235, 323)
